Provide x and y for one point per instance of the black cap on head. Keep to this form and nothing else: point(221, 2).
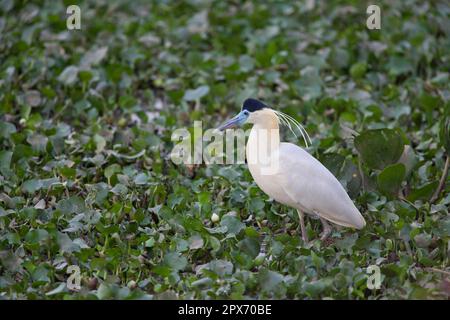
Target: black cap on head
point(253, 105)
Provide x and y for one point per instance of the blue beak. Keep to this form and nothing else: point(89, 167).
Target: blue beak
point(236, 121)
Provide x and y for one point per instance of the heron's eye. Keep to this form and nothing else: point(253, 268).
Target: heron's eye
point(246, 112)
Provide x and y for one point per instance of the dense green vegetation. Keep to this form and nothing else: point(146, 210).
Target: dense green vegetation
point(86, 118)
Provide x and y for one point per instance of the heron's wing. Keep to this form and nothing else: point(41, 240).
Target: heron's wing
point(313, 187)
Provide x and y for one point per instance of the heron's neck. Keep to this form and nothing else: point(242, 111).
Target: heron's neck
point(264, 136)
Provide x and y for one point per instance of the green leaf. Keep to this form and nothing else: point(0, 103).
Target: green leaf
point(36, 236)
point(408, 158)
point(358, 70)
point(66, 244)
point(38, 142)
point(192, 95)
point(40, 274)
point(93, 57)
point(309, 86)
point(256, 205)
point(220, 267)
point(141, 179)
point(398, 65)
point(69, 75)
point(4, 213)
point(31, 186)
point(67, 172)
point(423, 193)
point(100, 143)
point(22, 151)
point(250, 246)
point(233, 224)
point(11, 261)
point(390, 179)
point(444, 133)
point(344, 170)
point(104, 291)
point(269, 280)
point(119, 189)
point(6, 129)
point(204, 198)
point(112, 169)
point(72, 205)
point(5, 161)
point(150, 243)
point(175, 261)
point(380, 147)
point(315, 288)
point(195, 242)
point(60, 288)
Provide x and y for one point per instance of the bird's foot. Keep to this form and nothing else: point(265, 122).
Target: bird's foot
point(328, 242)
point(325, 235)
point(326, 230)
point(305, 237)
point(302, 226)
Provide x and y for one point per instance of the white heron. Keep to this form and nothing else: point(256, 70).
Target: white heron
point(296, 178)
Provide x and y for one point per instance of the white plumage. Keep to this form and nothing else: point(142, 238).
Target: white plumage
point(304, 183)
point(295, 177)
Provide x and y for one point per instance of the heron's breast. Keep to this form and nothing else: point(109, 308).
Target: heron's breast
point(268, 183)
point(262, 152)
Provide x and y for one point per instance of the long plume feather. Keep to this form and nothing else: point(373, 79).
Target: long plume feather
point(289, 121)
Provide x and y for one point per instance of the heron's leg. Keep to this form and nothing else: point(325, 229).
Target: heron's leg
point(301, 217)
point(326, 229)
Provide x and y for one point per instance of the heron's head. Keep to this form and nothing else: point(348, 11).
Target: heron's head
point(253, 111)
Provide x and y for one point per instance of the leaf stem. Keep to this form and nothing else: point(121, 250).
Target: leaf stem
point(442, 181)
point(361, 173)
point(438, 270)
